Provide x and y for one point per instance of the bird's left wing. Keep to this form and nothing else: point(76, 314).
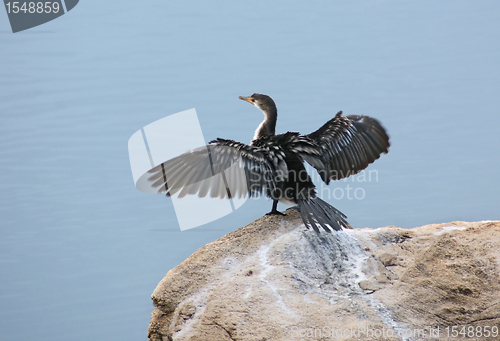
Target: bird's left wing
point(223, 168)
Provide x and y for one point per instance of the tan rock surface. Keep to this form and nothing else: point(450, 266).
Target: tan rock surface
point(275, 280)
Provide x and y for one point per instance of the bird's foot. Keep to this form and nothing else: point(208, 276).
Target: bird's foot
point(276, 212)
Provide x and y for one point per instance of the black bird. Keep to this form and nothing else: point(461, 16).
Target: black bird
point(274, 164)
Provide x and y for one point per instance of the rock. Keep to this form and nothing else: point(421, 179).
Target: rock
point(275, 280)
point(387, 259)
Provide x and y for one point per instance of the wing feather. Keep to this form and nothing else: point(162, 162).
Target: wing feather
point(248, 170)
point(343, 146)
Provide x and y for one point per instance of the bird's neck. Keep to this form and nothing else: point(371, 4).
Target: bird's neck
point(268, 126)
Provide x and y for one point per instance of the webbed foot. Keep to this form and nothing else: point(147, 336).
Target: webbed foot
point(276, 212)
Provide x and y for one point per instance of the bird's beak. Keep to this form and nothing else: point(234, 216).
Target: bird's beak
point(248, 99)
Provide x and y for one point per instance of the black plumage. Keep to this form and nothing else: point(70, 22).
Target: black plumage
point(274, 164)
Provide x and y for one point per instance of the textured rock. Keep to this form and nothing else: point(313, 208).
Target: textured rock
point(275, 280)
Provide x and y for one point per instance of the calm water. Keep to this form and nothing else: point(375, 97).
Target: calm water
point(81, 250)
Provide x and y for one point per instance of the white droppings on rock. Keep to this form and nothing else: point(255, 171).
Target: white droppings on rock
point(445, 229)
point(266, 267)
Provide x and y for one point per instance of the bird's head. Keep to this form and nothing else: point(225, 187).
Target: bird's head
point(263, 102)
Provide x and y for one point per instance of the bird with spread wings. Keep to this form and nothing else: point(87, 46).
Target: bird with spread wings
point(273, 165)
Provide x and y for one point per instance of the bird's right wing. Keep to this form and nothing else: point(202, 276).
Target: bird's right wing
point(223, 168)
point(343, 146)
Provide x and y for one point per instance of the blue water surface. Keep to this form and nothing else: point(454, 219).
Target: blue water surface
point(81, 250)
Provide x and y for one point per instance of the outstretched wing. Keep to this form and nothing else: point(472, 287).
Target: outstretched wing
point(223, 168)
point(343, 146)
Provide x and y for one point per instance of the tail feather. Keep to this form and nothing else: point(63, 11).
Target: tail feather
point(318, 213)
